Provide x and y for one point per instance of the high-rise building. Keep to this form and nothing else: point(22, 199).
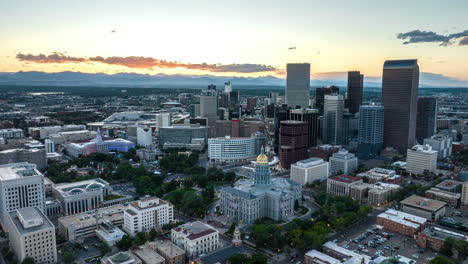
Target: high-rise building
point(320, 96)
point(273, 97)
point(212, 87)
point(209, 104)
point(21, 185)
point(333, 119)
point(32, 235)
point(343, 162)
point(49, 146)
point(297, 85)
point(442, 144)
point(146, 214)
point(310, 116)
point(227, 87)
point(399, 97)
point(251, 104)
point(421, 158)
point(234, 105)
point(144, 136)
point(355, 86)
point(370, 132)
point(293, 138)
point(309, 170)
point(230, 149)
point(426, 118)
point(194, 109)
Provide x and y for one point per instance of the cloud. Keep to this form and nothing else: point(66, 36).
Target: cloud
point(140, 62)
point(418, 36)
point(54, 57)
point(463, 42)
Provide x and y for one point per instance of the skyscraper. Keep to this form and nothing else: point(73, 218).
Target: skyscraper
point(209, 104)
point(310, 116)
point(320, 96)
point(293, 139)
point(333, 119)
point(227, 87)
point(355, 86)
point(426, 118)
point(251, 104)
point(298, 85)
point(399, 97)
point(212, 87)
point(370, 132)
point(234, 105)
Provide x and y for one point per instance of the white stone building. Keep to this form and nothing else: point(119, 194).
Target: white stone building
point(309, 170)
point(146, 214)
point(442, 144)
point(343, 162)
point(144, 137)
point(32, 235)
point(195, 238)
point(421, 158)
point(231, 149)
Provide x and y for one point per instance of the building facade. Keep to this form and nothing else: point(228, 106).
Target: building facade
point(442, 144)
point(426, 118)
point(33, 155)
point(427, 208)
point(421, 158)
point(21, 185)
point(309, 170)
point(298, 85)
point(340, 185)
point(310, 116)
point(230, 149)
point(146, 214)
point(293, 138)
point(195, 238)
point(343, 162)
point(32, 235)
point(400, 83)
point(333, 119)
point(169, 251)
point(401, 222)
point(370, 131)
point(355, 86)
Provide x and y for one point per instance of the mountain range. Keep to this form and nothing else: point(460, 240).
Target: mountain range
point(69, 78)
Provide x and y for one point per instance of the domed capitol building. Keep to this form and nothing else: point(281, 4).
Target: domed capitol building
point(262, 196)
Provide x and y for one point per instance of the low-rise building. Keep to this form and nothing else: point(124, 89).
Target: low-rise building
point(148, 255)
point(381, 175)
point(401, 222)
point(9, 133)
point(33, 155)
point(195, 238)
point(442, 144)
point(434, 237)
point(169, 251)
point(146, 214)
point(381, 193)
point(317, 257)
point(309, 170)
point(450, 186)
point(323, 151)
point(334, 250)
point(359, 191)
point(427, 208)
point(109, 233)
point(340, 185)
point(450, 198)
point(126, 257)
point(421, 158)
point(32, 235)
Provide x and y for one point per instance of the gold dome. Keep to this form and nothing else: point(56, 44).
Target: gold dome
point(262, 158)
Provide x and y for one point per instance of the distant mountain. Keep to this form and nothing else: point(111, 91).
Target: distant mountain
point(69, 78)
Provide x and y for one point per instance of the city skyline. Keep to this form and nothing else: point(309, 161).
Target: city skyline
point(232, 39)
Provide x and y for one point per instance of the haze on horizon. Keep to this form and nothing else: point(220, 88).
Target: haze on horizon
point(227, 38)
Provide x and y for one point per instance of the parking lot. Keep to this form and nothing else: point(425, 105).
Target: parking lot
point(375, 242)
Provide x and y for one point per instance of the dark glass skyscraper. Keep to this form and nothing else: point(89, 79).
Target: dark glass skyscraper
point(370, 132)
point(400, 97)
point(320, 96)
point(426, 118)
point(293, 139)
point(355, 86)
point(310, 116)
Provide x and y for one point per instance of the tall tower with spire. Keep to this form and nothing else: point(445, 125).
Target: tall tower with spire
point(262, 170)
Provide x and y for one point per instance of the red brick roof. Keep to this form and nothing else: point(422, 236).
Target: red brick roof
point(202, 233)
point(345, 178)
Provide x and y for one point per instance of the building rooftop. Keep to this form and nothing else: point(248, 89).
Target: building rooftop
point(397, 64)
point(111, 213)
point(166, 246)
point(17, 170)
point(406, 216)
point(423, 149)
point(30, 219)
point(442, 234)
point(449, 184)
point(307, 163)
point(423, 203)
point(74, 188)
point(148, 255)
point(319, 257)
point(345, 178)
point(195, 230)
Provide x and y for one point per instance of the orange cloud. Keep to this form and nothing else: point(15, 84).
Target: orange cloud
point(140, 62)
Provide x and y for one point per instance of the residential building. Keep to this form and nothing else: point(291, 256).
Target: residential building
point(293, 138)
point(195, 238)
point(231, 149)
point(169, 251)
point(323, 151)
point(33, 155)
point(126, 257)
point(426, 118)
point(381, 193)
point(359, 191)
point(370, 131)
point(261, 196)
point(343, 162)
point(340, 185)
point(333, 119)
point(434, 237)
point(309, 170)
point(452, 199)
point(355, 87)
point(297, 85)
point(32, 234)
point(421, 158)
point(310, 116)
point(320, 96)
point(146, 214)
point(400, 83)
point(82, 196)
point(401, 222)
point(442, 144)
point(21, 185)
point(427, 208)
point(109, 233)
point(464, 195)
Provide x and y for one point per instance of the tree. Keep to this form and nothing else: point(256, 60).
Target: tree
point(104, 248)
point(447, 248)
point(153, 234)
point(439, 260)
point(229, 176)
point(124, 243)
point(68, 257)
point(187, 182)
point(28, 260)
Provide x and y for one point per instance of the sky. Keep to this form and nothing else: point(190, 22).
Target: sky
point(232, 38)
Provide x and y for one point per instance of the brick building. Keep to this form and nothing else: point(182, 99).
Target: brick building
point(401, 222)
